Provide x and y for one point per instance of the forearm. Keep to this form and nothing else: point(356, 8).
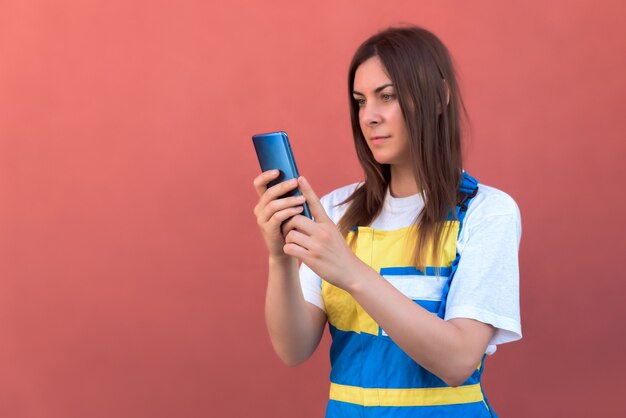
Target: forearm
point(441, 347)
point(293, 331)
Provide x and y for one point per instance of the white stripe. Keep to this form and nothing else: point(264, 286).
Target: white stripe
point(419, 287)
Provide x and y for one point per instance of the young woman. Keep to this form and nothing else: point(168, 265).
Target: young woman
point(415, 269)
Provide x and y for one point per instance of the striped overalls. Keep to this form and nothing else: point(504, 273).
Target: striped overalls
point(371, 376)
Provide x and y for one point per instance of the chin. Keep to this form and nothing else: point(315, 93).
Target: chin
point(384, 159)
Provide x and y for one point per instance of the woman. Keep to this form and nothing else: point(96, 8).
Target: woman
point(415, 269)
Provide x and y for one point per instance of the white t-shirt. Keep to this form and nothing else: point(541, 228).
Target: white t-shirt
point(486, 283)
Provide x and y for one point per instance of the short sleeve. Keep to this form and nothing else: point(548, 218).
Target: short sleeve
point(311, 285)
point(486, 284)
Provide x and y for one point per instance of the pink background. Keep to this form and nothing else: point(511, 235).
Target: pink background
point(132, 274)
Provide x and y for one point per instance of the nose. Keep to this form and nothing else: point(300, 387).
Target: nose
point(370, 115)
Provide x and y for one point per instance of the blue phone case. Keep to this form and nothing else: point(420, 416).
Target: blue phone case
point(274, 153)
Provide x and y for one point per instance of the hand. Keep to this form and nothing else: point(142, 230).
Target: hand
point(319, 244)
point(271, 211)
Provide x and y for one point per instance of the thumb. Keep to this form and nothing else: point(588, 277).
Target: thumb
point(315, 206)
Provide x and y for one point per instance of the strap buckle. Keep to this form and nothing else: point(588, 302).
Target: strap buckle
point(468, 196)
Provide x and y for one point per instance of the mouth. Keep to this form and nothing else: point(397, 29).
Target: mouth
point(378, 139)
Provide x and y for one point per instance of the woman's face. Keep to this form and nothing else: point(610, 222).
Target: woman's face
point(380, 116)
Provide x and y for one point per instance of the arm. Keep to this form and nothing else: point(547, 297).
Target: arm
point(295, 326)
point(450, 349)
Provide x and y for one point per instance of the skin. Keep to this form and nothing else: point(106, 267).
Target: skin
point(380, 116)
point(450, 349)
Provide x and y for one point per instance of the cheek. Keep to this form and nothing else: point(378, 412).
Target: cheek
point(362, 123)
point(397, 119)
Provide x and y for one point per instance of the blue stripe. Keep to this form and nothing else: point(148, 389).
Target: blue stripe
point(429, 305)
point(412, 271)
point(338, 409)
point(375, 354)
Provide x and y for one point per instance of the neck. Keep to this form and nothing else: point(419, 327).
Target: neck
point(402, 182)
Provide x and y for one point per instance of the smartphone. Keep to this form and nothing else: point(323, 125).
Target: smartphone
point(274, 153)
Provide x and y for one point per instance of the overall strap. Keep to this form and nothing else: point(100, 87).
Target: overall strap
point(467, 191)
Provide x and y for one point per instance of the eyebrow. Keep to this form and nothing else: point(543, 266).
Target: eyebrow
point(378, 89)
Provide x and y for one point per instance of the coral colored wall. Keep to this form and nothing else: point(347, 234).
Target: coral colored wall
point(132, 274)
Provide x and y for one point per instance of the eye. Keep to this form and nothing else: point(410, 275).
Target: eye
point(387, 97)
point(360, 102)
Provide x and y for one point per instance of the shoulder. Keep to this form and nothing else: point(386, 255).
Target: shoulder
point(490, 201)
point(332, 201)
point(492, 207)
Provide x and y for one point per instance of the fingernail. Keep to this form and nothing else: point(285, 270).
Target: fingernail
point(302, 180)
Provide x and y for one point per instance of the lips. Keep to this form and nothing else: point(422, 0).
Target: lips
point(378, 139)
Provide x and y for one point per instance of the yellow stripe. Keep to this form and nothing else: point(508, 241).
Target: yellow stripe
point(380, 248)
point(406, 397)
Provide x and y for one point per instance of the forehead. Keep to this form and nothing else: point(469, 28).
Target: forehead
point(370, 75)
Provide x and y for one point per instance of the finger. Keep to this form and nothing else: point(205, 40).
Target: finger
point(295, 250)
point(276, 191)
point(269, 208)
point(281, 216)
point(279, 204)
point(315, 206)
point(260, 182)
point(300, 239)
point(301, 223)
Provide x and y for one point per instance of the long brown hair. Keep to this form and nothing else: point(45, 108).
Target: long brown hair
point(420, 67)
